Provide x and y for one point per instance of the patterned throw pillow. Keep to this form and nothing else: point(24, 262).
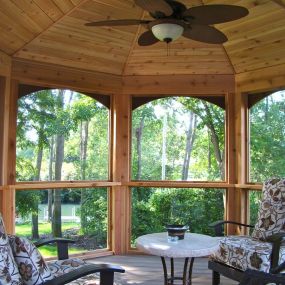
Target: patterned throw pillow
point(9, 273)
point(271, 220)
point(274, 190)
point(31, 264)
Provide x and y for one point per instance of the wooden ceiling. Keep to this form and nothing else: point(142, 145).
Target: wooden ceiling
point(53, 31)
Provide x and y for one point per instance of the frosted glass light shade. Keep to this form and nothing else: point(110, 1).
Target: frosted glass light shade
point(167, 31)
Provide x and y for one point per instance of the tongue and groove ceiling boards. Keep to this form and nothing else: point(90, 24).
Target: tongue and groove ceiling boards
point(53, 31)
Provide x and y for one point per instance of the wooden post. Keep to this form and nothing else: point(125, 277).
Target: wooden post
point(120, 172)
point(232, 197)
point(241, 137)
point(8, 109)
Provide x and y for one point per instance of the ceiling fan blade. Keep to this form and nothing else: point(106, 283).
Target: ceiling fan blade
point(154, 6)
point(126, 22)
point(214, 14)
point(147, 39)
point(206, 34)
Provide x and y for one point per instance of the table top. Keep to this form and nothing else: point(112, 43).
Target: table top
point(193, 245)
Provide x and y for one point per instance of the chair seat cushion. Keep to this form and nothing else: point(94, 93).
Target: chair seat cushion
point(60, 267)
point(244, 252)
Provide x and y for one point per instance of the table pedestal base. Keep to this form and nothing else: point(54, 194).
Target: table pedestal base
point(186, 278)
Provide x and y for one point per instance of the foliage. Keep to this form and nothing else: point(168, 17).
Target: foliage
point(192, 207)
point(267, 132)
point(159, 148)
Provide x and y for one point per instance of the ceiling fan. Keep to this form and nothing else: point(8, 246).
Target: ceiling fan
point(173, 19)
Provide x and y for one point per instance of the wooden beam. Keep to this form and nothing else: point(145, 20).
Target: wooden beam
point(178, 84)
point(5, 64)
point(8, 208)
point(55, 76)
point(232, 211)
point(120, 173)
point(178, 184)
point(64, 184)
point(270, 78)
point(281, 3)
point(249, 186)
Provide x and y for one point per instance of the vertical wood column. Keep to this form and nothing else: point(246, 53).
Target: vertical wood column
point(8, 111)
point(241, 138)
point(120, 172)
point(242, 155)
point(232, 197)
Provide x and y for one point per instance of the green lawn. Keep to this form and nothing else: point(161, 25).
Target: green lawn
point(50, 250)
point(24, 230)
point(44, 228)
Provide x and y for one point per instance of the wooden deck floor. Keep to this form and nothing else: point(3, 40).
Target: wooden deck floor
point(143, 269)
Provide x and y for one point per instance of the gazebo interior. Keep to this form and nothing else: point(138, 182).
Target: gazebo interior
point(45, 45)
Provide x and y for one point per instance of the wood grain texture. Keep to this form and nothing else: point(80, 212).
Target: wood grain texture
point(146, 269)
point(270, 78)
point(179, 84)
point(5, 64)
point(8, 208)
point(121, 172)
point(64, 184)
point(61, 77)
point(53, 31)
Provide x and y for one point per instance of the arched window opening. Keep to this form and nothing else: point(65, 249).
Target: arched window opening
point(62, 135)
point(267, 138)
point(178, 138)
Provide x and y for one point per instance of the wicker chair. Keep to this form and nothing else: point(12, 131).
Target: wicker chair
point(263, 250)
point(22, 264)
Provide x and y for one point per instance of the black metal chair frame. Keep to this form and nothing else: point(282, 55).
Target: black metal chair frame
point(255, 277)
point(106, 271)
point(219, 268)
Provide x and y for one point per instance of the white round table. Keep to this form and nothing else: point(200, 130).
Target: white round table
point(193, 245)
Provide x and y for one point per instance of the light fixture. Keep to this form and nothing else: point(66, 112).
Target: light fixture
point(167, 32)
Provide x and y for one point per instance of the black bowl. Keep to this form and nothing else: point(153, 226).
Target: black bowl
point(176, 230)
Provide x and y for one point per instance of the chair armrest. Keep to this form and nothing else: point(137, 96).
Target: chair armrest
point(106, 274)
point(219, 226)
point(255, 277)
point(276, 240)
point(62, 246)
point(278, 269)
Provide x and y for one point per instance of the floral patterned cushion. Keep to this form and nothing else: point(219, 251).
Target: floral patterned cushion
point(274, 190)
point(271, 220)
point(9, 273)
point(244, 252)
point(31, 264)
point(60, 267)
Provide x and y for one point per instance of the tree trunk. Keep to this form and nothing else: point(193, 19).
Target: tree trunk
point(59, 155)
point(50, 172)
point(35, 226)
point(139, 132)
point(215, 141)
point(209, 152)
point(163, 156)
point(191, 135)
point(84, 133)
point(35, 216)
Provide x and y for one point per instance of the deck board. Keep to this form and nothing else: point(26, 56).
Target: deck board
point(144, 269)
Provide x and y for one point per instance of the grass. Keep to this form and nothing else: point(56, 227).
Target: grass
point(51, 251)
point(25, 230)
